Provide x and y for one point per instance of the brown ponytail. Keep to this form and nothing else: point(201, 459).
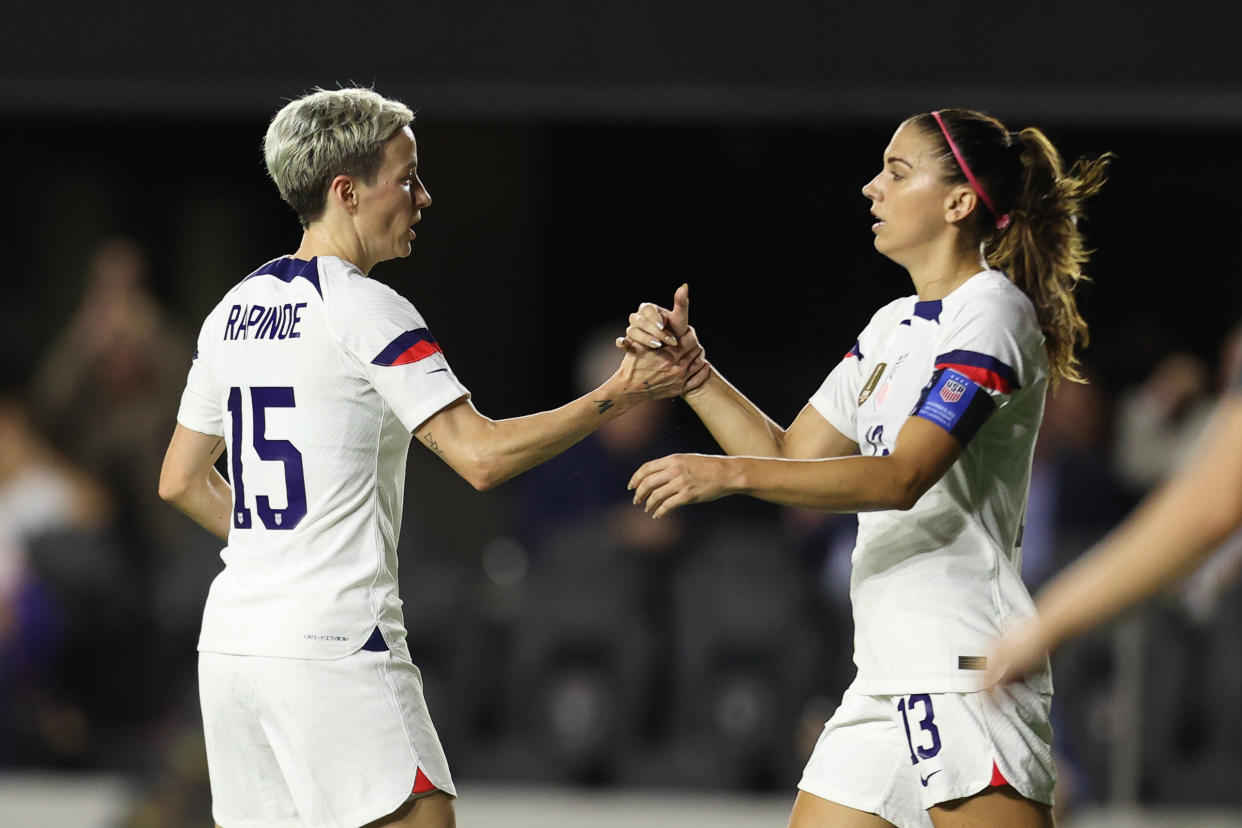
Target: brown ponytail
point(1041, 249)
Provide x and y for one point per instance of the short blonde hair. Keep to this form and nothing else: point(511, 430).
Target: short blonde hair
point(327, 133)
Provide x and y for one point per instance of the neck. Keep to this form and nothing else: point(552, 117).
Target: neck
point(320, 239)
point(941, 272)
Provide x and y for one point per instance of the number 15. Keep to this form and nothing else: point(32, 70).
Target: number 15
point(281, 451)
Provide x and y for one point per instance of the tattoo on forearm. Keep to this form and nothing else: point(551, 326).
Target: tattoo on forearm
point(602, 406)
point(433, 445)
point(650, 393)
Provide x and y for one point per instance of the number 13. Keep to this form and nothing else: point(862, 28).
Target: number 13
point(927, 725)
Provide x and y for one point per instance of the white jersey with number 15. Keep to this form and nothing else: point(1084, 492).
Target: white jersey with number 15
point(315, 375)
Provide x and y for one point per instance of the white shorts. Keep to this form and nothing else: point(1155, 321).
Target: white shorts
point(304, 742)
point(897, 756)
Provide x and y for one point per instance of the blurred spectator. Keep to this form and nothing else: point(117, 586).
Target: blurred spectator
point(42, 496)
point(1203, 590)
point(588, 482)
point(824, 544)
point(108, 388)
point(1158, 423)
point(1159, 420)
point(41, 491)
point(1074, 497)
point(599, 585)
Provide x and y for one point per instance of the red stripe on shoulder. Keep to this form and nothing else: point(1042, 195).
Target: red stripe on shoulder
point(417, 351)
point(980, 376)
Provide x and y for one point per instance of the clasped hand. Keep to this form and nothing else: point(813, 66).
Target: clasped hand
point(662, 485)
point(662, 351)
point(667, 372)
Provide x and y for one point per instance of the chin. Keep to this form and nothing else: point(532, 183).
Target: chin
point(886, 250)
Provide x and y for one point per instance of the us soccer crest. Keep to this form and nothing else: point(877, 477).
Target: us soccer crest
point(952, 390)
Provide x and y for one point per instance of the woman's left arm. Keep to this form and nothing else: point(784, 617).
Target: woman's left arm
point(924, 452)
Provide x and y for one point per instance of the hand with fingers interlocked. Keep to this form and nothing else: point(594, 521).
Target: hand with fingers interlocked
point(655, 331)
point(662, 485)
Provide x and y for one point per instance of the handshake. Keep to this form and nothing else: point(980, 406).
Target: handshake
point(663, 356)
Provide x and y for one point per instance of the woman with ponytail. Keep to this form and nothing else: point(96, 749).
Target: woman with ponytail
point(926, 429)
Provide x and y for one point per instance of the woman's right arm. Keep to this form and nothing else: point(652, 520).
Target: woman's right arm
point(740, 427)
point(189, 480)
point(736, 423)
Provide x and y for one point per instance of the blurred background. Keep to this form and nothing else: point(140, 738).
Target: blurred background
point(581, 661)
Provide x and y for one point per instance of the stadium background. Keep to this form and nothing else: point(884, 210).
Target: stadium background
point(584, 157)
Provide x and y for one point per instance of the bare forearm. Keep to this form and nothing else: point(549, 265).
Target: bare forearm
point(923, 453)
point(736, 423)
point(1171, 532)
point(1165, 539)
point(521, 443)
point(842, 484)
point(208, 503)
point(488, 452)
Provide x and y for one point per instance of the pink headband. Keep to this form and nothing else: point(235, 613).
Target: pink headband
point(1002, 221)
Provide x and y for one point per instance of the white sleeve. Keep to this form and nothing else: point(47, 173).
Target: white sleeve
point(989, 350)
point(991, 343)
point(201, 406)
point(389, 341)
point(837, 398)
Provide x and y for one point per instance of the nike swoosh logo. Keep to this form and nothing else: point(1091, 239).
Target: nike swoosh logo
point(924, 779)
point(438, 370)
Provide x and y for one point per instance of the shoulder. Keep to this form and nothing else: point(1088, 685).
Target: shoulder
point(991, 325)
point(344, 279)
point(220, 311)
point(991, 299)
point(352, 297)
point(891, 314)
point(996, 292)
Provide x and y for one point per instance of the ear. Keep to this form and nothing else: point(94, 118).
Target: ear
point(959, 203)
point(343, 192)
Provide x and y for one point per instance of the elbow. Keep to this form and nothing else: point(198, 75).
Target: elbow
point(905, 489)
point(484, 472)
point(905, 502)
point(172, 491)
point(483, 482)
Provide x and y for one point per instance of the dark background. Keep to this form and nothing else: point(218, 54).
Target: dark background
point(584, 157)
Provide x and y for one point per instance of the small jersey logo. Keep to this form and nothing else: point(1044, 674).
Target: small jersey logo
point(924, 779)
point(872, 382)
point(972, 662)
point(952, 390)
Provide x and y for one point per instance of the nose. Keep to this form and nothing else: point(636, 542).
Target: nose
point(870, 190)
point(422, 198)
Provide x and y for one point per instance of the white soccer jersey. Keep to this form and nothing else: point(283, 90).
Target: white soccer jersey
point(315, 375)
point(931, 587)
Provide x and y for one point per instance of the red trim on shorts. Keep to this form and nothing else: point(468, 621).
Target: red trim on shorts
point(421, 783)
point(998, 778)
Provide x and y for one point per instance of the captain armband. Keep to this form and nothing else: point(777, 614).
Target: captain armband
point(955, 403)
